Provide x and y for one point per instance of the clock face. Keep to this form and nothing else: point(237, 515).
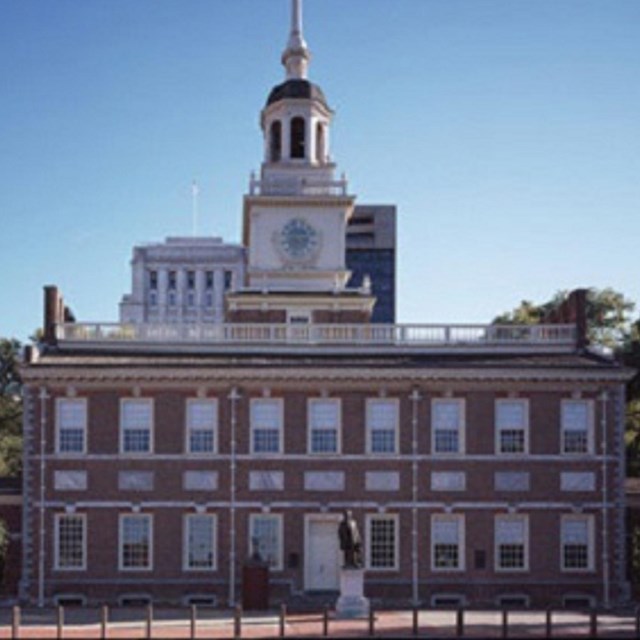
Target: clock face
point(299, 240)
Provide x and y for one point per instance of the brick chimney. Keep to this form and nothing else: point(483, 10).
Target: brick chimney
point(573, 310)
point(55, 313)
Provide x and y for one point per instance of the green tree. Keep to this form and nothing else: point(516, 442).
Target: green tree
point(10, 409)
point(608, 315)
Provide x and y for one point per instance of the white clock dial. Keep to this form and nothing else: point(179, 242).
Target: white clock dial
point(299, 240)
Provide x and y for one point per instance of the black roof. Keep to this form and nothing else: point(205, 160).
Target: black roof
point(297, 89)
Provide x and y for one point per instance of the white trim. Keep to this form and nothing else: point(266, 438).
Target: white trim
point(278, 518)
point(524, 518)
point(460, 518)
point(187, 518)
point(502, 401)
point(188, 428)
point(308, 518)
point(395, 518)
point(310, 403)
point(56, 552)
point(121, 518)
point(462, 427)
point(396, 445)
point(133, 454)
point(280, 403)
point(85, 430)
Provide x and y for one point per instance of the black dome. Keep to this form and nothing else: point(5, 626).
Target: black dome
point(297, 89)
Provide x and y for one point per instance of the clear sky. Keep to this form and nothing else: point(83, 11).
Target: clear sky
point(506, 131)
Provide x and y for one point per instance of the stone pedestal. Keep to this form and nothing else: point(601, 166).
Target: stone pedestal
point(352, 603)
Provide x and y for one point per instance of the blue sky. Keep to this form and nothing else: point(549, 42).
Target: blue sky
point(506, 131)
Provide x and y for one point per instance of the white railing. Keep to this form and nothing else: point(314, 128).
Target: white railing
point(375, 335)
point(297, 187)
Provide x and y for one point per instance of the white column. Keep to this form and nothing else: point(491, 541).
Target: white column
point(199, 293)
point(310, 147)
point(163, 281)
point(218, 295)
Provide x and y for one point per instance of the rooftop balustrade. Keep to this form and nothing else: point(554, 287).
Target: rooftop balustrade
point(355, 336)
point(296, 186)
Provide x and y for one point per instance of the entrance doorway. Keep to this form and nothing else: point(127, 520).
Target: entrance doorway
point(322, 553)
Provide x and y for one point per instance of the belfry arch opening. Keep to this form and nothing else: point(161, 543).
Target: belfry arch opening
point(275, 141)
point(298, 138)
point(320, 143)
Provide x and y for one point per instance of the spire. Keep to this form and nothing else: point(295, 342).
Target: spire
point(296, 56)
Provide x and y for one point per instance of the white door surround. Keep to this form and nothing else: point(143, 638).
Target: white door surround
point(321, 552)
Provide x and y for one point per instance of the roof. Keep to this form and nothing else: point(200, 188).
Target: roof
point(297, 90)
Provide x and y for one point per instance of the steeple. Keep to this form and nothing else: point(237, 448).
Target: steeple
point(296, 56)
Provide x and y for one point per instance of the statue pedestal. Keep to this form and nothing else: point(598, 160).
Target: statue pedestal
point(352, 603)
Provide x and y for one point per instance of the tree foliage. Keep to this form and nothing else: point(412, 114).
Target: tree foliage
point(10, 409)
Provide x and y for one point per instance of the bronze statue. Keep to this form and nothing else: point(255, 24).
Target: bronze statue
point(350, 542)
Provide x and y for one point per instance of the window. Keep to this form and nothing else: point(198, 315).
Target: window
point(275, 141)
point(324, 426)
point(71, 418)
point(136, 542)
point(511, 543)
point(298, 134)
point(447, 419)
point(202, 426)
point(136, 423)
point(512, 426)
point(266, 537)
point(577, 543)
point(172, 280)
point(228, 280)
point(448, 481)
point(191, 280)
point(70, 542)
point(577, 426)
point(447, 542)
point(266, 425)
point(200, 542)
point(382, 542)
point(153, 280)
point(382, 426)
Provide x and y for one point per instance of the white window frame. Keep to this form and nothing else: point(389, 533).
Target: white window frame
point(590, 426)
point(280, 403)
point(311, 402)
point(590, 520)
point(58, 518)
point(186, 529)
point(123, 402)
point(462, 426)
point(500, 428)
point(496, 544)
point(369, 428)
point(276, 517)
point(60, 427)
point(440, 517)
point(189, 428)
point(122, 517)
point(389, 517)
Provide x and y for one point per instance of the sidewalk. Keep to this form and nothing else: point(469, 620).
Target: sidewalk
point(211, 623)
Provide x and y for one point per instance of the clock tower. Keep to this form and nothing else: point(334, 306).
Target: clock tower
point(296, 212)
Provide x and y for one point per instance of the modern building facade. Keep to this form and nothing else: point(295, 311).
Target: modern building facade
point(182, 280)
point(483, 464)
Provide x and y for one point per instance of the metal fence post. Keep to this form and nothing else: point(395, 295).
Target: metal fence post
point(194, 619)
point(372, 622)
point(637, 622)
point(549, 624)
point(505, 623)
point(283, 619)
point(415, 624)
point(237, 622)
point(104, 621)
point(325, 622)
point(460, 623)
point(60, 622)
point(593, 623)
point(15, 623)
point(149, 620)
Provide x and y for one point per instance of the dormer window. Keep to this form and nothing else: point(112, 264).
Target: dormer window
point(298, 141)
point(275, 141)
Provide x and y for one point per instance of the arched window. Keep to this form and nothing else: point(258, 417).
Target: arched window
point(320, 150)
point(275, 141)
point(298, 142)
